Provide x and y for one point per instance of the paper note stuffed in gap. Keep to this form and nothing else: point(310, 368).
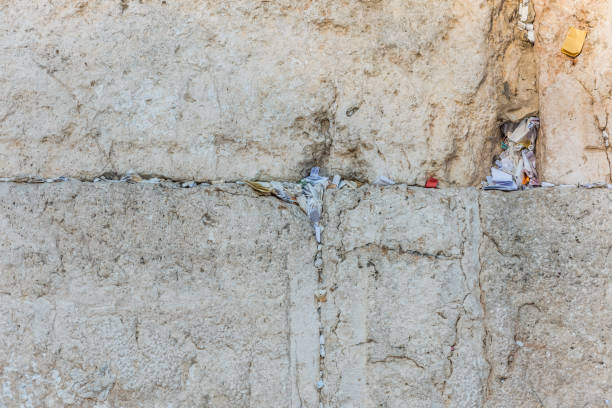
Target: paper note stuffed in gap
point(573, 43)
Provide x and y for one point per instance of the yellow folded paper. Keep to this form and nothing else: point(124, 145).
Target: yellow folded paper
point(573, 43)
point(260, 187)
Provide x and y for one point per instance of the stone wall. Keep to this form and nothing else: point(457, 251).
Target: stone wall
point(546, 285)
point(141, 295)
point(131, 296)
point(239, 89)
point(404, 319)
point(116, 294)
point(463, 299)
point(575, 94)
point(244, 89)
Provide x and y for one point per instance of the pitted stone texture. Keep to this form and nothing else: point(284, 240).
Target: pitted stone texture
point(236, 89)
point(575, 94)
point(547, 285)
point(403, 317)
point(142, 296)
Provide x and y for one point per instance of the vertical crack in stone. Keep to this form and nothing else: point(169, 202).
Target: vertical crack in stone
point(450, 358)
point(291, 347)
point(606, 143)
point(318, 264)
point(483, 305)
point(602, 127)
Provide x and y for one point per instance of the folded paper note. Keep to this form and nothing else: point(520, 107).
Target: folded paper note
point(573, 43)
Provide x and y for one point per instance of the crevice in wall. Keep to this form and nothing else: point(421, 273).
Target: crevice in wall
point(512, 37)
point(134, 178)
point(320, 298)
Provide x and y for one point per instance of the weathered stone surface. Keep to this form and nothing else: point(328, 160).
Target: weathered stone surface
point(547, 287)
point(574, 94)
point(433, 302)
point(234, 89)
point(152, 296)
point(140, 296)
point(403, 319)
point(113, 294)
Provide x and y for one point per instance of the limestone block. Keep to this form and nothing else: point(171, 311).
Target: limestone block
point(574, 94)
point(239, 89)
point(403, 316)
point(115, 294)
point(144, 296)
point(547, 289)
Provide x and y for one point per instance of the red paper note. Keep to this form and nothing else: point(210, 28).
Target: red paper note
point(431, 183)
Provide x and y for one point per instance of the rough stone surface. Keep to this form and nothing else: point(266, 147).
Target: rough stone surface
point(126, 295)
point(403, 320)
point(145, 296)
point(140, 296)
point(234, 89)
point(434, 302)
point(574, 94)
point(546, 282)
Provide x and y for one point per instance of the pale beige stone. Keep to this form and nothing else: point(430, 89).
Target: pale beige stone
point(457, 298)
point(152, 296)
point(403, 317)
point(142, 296)
point(147, 295)
point(239, 89)
point(574, 94)
point(546, 283)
